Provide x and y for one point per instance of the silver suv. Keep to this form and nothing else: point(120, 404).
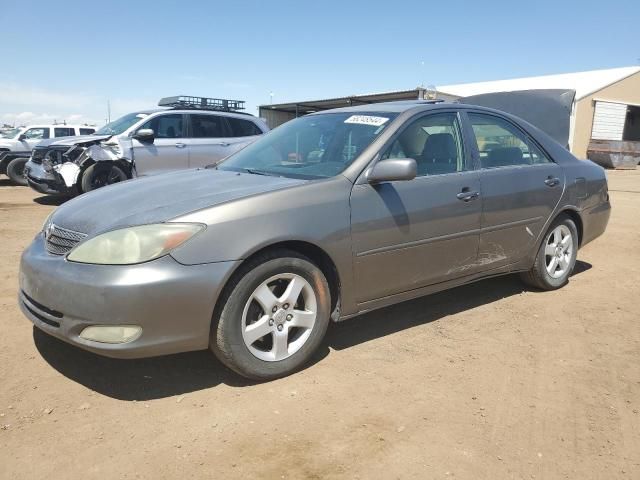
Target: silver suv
point(16, 145)
point(193, 132)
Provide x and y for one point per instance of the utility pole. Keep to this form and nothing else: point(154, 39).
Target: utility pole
point(108, 111)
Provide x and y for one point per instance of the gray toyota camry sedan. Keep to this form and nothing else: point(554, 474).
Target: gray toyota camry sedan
point(326, 217)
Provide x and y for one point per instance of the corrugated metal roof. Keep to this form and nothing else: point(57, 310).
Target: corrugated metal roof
point(584, 83)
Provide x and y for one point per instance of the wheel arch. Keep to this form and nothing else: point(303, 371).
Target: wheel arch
point(313, 252)
point(574, 215)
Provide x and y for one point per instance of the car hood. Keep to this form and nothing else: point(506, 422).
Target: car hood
point(160, 198)
point(69, 141)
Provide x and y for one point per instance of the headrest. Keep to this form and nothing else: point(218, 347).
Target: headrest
point(439, 146)
point(500, 157)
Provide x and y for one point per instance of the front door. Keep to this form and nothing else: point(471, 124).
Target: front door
point(34, 136)
point(521, 187)
point(409, 234)
point(167, 152)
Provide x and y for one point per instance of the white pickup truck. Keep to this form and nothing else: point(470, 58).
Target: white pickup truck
point(16, 145)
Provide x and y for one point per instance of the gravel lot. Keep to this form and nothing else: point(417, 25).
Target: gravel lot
point(484, 381)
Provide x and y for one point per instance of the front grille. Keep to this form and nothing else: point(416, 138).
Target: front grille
point(59, 241)
point(37, 309)
point(47, 310)
point(55, 153)
point(40, 317)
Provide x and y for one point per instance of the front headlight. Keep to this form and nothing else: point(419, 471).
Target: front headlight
point(47, 164)
point(47, 221)
point(134, 244)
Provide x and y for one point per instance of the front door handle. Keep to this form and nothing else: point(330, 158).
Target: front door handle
point(223, 144)
point(180, 145)
point(466, 195)
point(552, 181)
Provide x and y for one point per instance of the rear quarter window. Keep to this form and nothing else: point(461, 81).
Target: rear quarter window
point(243, 128)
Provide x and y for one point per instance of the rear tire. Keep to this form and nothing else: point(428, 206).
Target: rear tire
point(556, 256)
point(100, 175)
point(15, 171)
point(273, 316)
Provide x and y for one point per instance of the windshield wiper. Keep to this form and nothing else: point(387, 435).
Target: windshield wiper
point(260, 172)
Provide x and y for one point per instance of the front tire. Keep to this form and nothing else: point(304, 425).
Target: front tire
point(15, 171)
point(556, 256)
point(100, 175)
point(274, 315)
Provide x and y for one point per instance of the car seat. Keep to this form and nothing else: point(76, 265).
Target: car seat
point(439, 155)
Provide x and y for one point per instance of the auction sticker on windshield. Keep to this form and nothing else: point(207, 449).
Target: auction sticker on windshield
point(367, 120)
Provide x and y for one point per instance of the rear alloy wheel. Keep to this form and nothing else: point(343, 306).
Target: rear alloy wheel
point(15, 171)
point(556, 257)
point(100, 175)
point(274, 317)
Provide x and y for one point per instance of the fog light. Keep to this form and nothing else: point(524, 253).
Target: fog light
point(111, 333)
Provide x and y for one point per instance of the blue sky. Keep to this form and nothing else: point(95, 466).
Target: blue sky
point(63, 60)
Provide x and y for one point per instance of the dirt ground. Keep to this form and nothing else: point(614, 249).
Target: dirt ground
point(484, 381)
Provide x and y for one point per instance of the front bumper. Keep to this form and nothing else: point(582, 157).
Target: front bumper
point(49, 183)
point(173, 303)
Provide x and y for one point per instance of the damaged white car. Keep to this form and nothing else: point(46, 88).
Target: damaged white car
point(192, 132)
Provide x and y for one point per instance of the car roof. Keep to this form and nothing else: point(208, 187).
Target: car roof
point(404, 106)
point(242, 115)
point(57, 125)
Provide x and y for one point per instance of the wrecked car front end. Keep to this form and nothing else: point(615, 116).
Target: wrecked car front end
point(56, 168)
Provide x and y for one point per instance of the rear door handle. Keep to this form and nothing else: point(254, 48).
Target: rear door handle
point(552, 181)
point(223, 144)
point(466, 196)
point(180, 145)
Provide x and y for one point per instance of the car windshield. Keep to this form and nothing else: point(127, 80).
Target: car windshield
point(315, 146)
point(10, 133)
point(120, 125)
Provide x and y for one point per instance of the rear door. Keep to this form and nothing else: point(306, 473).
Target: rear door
point(63, 132)
point(168, 150)
point(520, 184)
point(409, 234)
point(243, 132)
point(208, 139)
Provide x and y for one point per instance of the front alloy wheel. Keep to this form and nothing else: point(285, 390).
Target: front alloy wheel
point(273, 315)
point(279, 317)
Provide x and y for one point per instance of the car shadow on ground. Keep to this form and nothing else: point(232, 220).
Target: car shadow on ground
point(170, 375)
point(55, 200)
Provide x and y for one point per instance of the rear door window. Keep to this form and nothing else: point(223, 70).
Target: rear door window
point(243, 128)
point(87, 131)
point(63, 132)
point(501, 144)
point(208, 126)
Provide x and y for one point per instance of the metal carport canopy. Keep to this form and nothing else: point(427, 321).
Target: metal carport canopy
point(310, 106)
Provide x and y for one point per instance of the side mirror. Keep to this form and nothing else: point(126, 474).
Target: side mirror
point(392, 170)
point(22, 137)
point(145, 135)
